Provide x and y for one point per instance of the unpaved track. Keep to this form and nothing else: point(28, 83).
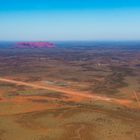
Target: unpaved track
point(69, 92)
point(79, 131)
point(137, 98)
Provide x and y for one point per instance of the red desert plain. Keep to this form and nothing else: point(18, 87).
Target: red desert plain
point(73, 91)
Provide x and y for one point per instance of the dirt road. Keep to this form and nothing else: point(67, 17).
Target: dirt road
point(69, 92)
point(137, 98)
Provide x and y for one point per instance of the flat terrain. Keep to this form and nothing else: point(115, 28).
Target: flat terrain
point(75, 91)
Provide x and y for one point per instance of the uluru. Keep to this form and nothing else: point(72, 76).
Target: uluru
point(34, 45)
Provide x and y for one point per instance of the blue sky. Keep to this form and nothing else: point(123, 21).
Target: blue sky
point(69, 20)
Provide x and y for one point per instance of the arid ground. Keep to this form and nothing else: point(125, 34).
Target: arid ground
point(74, 91)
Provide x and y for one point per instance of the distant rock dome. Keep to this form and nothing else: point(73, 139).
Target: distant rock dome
point(34, 45)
